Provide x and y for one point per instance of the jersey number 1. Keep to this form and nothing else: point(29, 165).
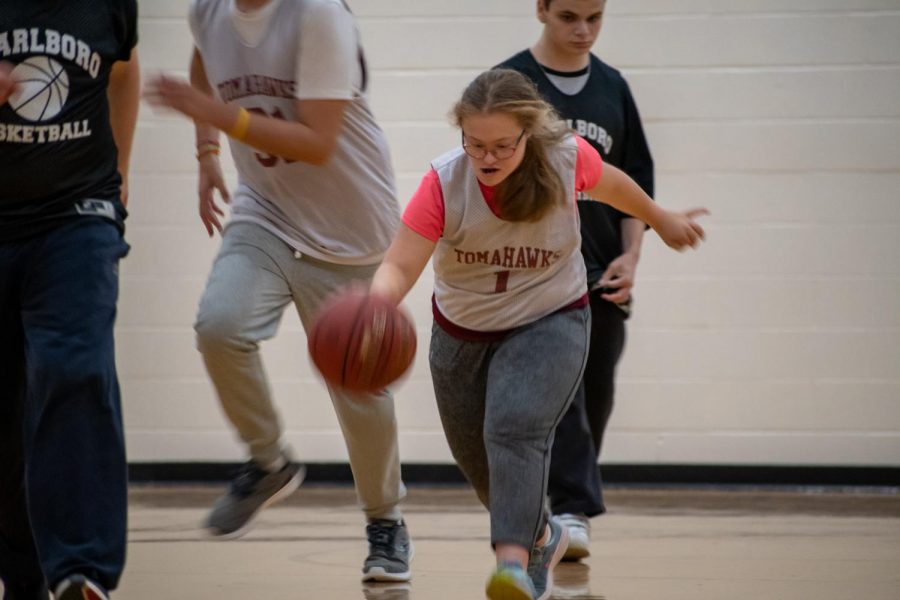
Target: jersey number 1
point(502, 280)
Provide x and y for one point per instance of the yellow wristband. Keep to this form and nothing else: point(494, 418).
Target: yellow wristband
point(239, 129)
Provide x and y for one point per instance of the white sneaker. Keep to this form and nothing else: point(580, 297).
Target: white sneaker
point(579, 528)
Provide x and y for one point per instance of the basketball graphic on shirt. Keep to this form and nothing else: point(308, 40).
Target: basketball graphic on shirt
point(43, 87)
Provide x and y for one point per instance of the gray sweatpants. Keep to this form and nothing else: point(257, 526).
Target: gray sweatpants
point(254, 277)
point(500, 403)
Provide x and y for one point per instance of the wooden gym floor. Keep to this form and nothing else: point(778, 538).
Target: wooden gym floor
point(659, 544)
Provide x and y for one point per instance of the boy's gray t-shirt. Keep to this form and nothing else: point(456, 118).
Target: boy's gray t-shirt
point(345, 211)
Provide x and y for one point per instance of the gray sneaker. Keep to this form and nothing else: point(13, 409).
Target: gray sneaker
point(251, 490)
point(545, 558)
point(389, 551)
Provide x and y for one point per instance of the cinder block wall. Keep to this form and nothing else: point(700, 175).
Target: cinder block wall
point(778, 343)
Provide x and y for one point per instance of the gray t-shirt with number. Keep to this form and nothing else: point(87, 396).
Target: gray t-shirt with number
point(344, 211)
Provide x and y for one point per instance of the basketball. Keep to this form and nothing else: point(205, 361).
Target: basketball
point(43, 87)
point(360, 342)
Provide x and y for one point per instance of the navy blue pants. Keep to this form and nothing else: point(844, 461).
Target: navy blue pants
point(574, 485)
point(63, 477)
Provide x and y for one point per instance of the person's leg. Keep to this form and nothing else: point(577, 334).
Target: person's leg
point(607, 343)
point(574, 482)
point(533, 377)
point(243, 302)
point(575, 485)
point(459, 372)
point(75, 468)
point(367, 421)
point(369, 427)
point(20, 569)
point(241, 306)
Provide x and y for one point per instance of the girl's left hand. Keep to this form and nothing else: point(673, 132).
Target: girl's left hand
point(680, 230)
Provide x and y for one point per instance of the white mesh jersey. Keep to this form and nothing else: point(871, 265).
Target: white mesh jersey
point(342, 212)
point(491, 274)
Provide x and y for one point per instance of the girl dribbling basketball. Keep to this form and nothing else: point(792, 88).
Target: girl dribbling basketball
point(510, 339)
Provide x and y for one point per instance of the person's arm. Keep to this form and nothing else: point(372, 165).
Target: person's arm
point(311, 139)
point(327, 66)
point(677, 229)
point(205, 133)
point(620, 273)
point(637, 163)
point(124, 94)
point(402, 265)
point(209, 170)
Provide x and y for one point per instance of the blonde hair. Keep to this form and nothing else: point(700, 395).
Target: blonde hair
point(535, 186)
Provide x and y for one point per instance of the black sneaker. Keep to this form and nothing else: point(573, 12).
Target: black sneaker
point(251, 490)
point(79, 587)
point(389, 551)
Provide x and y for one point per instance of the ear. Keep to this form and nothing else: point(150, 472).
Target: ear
point(541, 11)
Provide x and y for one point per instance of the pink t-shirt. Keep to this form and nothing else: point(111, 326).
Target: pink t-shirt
point(425, 212)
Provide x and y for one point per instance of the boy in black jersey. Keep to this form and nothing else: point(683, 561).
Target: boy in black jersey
point(596, 101)
point(69, 95)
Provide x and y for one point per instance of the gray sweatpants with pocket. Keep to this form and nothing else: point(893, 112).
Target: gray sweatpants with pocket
point(254, 277)
point(500, 402)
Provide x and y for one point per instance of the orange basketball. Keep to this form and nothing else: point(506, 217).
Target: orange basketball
point(360, 342)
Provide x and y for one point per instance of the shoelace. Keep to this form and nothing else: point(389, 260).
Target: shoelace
point(538, 560)
point(540, 557)
point(245, 478)
point(381, 538)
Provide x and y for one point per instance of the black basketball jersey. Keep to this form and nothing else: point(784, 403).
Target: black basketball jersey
point(604, 113)
point(57, 154)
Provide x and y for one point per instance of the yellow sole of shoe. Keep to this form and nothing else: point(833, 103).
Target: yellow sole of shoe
point(501, 587)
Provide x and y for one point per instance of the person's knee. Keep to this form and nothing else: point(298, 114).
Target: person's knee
point(73, 375)
point(517, 427)
point(216, 330)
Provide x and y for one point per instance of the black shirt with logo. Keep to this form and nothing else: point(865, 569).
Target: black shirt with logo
point(58, 158)
point(604, 113)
